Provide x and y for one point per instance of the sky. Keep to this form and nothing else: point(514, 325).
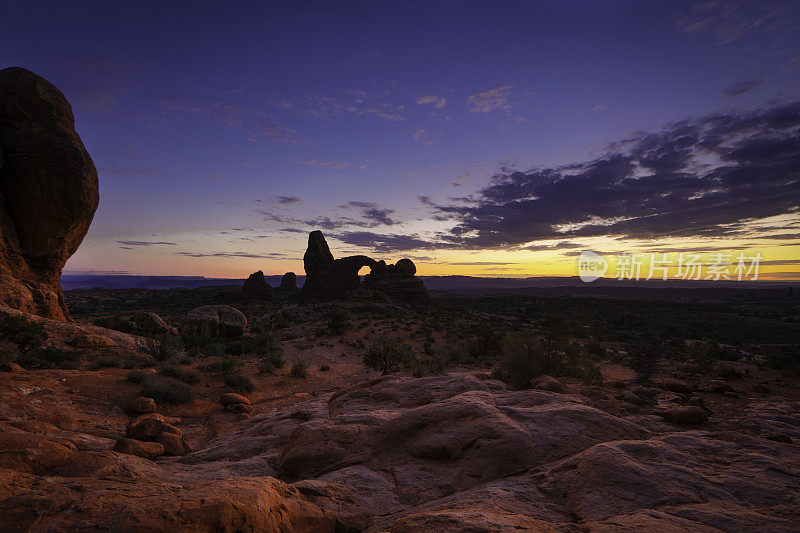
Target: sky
point(485, 138)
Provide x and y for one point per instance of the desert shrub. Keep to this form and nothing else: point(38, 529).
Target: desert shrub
point(238, 383)
point(9, 351)
point(213, 349)
point(299, 369)
point(26, 334)
point(234, 348)
point(137, 376)
point(426, 366)
point(785, 359)
point(337, 321)
point(271, 362)
point(594, 347)
point(109, 361)
point(324, 368)
point(526, 357)
point(707, 353)
point(187, 375)
point(387, 355)
point(263, 343)
point(167, 390)
point(225, 366)
point(161, 347)
point(114, 322)
point(51, 357)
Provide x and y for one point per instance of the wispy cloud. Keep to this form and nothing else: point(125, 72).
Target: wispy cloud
point(245, 255)
point(355, 102)
point(147, 243)
point(428, 99)
point(496, 98)
point(287, 200)
point(335, 165)
point(253, 122)
point(739, 88)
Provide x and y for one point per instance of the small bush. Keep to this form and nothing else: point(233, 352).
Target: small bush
point(114, 322)
point(324, 368)
point(299, 369)
point(338, 321)
point(105, 362)
point(214, 349)
point(137, 376)
point(51, 357)
point(167, 390)
point(26, 334)
point(162, 347)
point(784, 359)
point(707, 354)
point(271, 363)
point(8, 352)
point(187, 375)
point(225, 366)
point(238, 383)
point(386, 355)
point(526, 357)
point(262, 344)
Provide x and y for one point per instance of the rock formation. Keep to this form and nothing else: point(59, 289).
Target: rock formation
point(289, 282)
point(256, 287)
point(398, 281)
point(327, 277)
point(48, 192)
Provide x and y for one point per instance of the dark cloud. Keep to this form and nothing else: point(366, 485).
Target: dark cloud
point(147, 243)
point(288, 200)
point(384, 243)
point(739, 88)
point(480, 263)
point(372, 212)
point(558, 246)
point(707, 177)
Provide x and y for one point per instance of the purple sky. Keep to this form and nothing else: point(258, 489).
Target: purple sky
point(214, 127)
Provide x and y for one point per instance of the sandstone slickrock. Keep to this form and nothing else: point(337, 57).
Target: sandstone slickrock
point(548, 383)
point(215, 321)
point(451, 453)
point(255, 287)
point(48, 192)
point(327, 277)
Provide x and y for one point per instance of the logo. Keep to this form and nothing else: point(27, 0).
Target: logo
point(591, 266)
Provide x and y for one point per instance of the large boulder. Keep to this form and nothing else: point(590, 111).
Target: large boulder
point(256, 287)
point(215, 321)
point(148, 322)
point(48, 192)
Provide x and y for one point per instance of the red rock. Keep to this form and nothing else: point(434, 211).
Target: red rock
point(142, 406)
point(173, 444)
point(147, 450)
point(230, 398)
point(688, 414)
point(548, 383)
point(49, 191)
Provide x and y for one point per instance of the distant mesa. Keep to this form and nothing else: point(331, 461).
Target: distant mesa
point(256, 287)
point(48, 192)
point(327, 277)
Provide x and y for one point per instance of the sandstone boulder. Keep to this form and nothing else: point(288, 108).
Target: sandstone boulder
point(548, 383)
point(230, 398)
point(148, 322)
point(142, 406)
point(173, 443)
point(215, 321)
point(48, 192)
point(147, 450)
